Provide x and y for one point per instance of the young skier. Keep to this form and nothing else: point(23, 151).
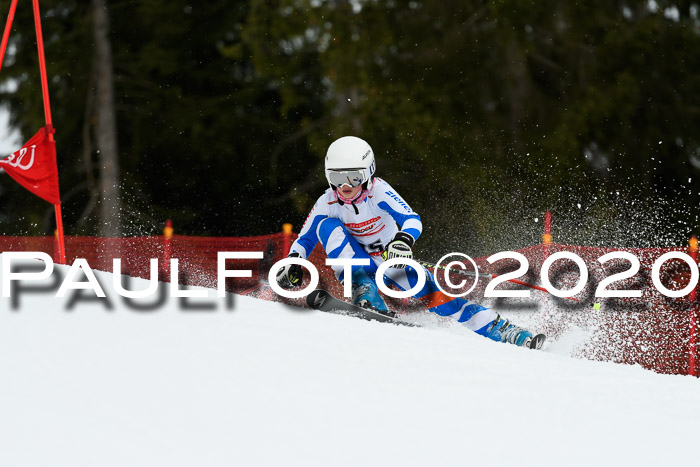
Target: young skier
point(362, 216)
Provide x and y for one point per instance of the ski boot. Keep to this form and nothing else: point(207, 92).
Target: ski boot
point(366, 295)
point(503, 331)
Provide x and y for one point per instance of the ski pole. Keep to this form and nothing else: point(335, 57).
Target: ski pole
point(487, 276)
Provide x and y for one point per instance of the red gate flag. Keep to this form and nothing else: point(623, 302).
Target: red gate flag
point(34, 166)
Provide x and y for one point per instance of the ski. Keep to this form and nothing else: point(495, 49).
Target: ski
point(537, 341)
point(321, 300)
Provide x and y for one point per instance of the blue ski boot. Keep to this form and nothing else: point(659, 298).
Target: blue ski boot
point(365, 293)
point(503, 331)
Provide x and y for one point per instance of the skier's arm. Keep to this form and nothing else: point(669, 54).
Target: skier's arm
point(291, 275)
point(409, 222)
point(400, 211)
point(307, 239)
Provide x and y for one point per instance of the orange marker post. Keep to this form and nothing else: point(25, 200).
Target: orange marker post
point(547, 235)
point(692, 340)
point(167, 238)
point(286, 239)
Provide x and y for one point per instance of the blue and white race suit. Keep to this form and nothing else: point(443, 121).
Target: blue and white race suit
point(363, 230)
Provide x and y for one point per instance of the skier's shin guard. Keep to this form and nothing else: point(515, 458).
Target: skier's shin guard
point(473, 316)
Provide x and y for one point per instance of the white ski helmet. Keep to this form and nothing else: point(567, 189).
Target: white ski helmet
point(349, 161)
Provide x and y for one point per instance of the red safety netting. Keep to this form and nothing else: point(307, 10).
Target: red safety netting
point(196, 256)
point(652, 331)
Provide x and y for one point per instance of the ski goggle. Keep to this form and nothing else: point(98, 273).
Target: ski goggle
point(351, 177)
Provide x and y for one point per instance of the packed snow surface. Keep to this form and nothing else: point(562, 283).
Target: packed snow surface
point(264, 384)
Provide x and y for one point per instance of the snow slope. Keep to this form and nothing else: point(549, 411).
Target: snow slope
point(263, 384)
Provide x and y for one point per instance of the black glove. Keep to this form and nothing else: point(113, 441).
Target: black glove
point(290, 275)
point(399, 247)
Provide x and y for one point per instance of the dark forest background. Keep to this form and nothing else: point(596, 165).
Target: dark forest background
point(481, 114)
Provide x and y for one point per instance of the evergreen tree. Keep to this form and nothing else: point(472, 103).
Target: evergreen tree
point(488, 113)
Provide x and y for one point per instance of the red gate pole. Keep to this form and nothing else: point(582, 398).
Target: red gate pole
point(59, 229)
point(692, 340)
point(6, 34)
point(42, 64)
point(47, 116)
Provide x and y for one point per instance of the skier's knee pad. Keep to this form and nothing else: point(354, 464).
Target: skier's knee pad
point(406, 278)
point(325, 230)
point(339, 243)
point(335, 238)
